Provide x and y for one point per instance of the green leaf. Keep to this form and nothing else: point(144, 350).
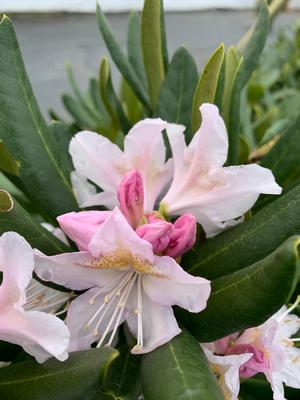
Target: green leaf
point(134, 47)
point(247, 297)
point(7, 163)
point(120, 59)
point(131, 104)
point(81, 117)
point(56, 380)
point(164, 44)
point(179, 370)
point(111, 101)
point(207, 85)
point(152, 47)
point(123, 380)
point(13, 217)
point(25, 133)
point(251, 53)
point(249, 242)
point(176, 95)
point(232, 65)
point(283, 158)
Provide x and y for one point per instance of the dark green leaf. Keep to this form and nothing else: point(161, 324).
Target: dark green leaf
point(247, 297)
point(176, 95)
point(249, 242)
point(164, 44)
point(14, 218)
point(120, 59)
point(283, 158)
point(207, 85)
point(55, 380)
point(152, 47)
point(250, 54)
point(179, 370)
point(26, 134)
point(134, 47)
point(123, 381)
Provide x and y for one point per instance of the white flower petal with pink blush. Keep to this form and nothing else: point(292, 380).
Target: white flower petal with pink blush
point(41, 335)
point(101, 162)
point(217, 196)
point(126, 282)
point(226, 369)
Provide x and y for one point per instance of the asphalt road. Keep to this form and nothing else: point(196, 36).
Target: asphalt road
point(48, 42)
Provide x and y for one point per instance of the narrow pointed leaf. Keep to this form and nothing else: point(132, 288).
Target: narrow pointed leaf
point(13, 217)
point(25, 133)
point(249, 242)
point(247, 297)
point(134, 47)
point(81, 117)
point(120, 59)
point(55, 380)
point(179, 370)
point(250, 54)
point(164, 43)
point(176, 94)
point(152, 47)
point(207, 85)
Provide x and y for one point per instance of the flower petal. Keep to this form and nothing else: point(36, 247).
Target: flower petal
point(290, 372)
point(277, 385)
point(41, 335)
point(230, 366)
point(72, 270)
point(159, 325)
point(16, 263)
point(96, 158)
point(176, 287)
point(82, 311)
point(81, 226)
point(116, 233)
point(145, 150)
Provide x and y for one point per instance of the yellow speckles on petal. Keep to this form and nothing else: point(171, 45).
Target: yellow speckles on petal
point(123, 259)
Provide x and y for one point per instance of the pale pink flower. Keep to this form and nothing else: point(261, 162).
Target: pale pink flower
point(226, 369)
point(126, 281)
point(217, 196)
point(157, 233)
point(183, 236)
point(100, 161)
point(41, 335)
point(274, 353)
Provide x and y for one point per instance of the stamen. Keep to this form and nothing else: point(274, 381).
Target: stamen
point(295, 339)
point(107, 303)
point(290, 309)
point(36, 294)
point(140, 305)
point(120, 307)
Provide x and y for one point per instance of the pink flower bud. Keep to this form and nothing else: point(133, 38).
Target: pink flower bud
point(183, 236)
point(131, 197)
point(81, 226)
point(157, 233)
point(259, 362)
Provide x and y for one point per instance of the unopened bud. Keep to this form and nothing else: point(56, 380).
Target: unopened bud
point(183, 236)
point(131, 197)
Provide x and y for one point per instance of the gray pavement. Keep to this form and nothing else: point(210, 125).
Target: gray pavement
point(48, 42)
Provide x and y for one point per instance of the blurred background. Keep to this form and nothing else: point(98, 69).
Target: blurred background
point(53, 33)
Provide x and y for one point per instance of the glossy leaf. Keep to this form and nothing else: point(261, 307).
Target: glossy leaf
point(283, 158)
point(134, 47)
point(13, 217)
point(207, 85)
point(250, 54)
point(55, 380)
point(7, 163)
point(123, 381)
point(249, 242)
point(152, 47)
point(247, 297)
point(25, 133)
point(179, 370)
point(120, 59)
point(176, 94)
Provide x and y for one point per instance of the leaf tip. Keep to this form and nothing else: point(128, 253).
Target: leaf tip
point(6, 201)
